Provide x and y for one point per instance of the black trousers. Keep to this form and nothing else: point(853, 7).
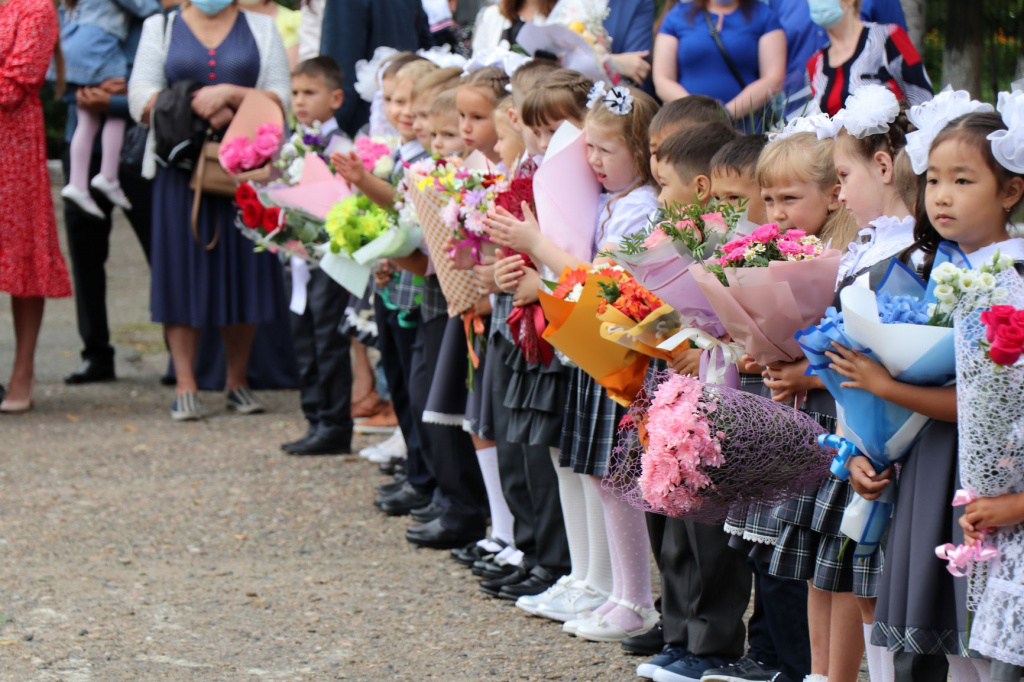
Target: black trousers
point(322, 354)
point(528, 480)
point(777, 633)
point(89, 248)
point(449, 449)
point(913, 667)
point(395, 344)
point(705, 589)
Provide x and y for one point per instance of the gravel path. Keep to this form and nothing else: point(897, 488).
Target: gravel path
point(132, 548)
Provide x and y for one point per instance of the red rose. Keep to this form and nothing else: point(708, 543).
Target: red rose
point(252, 215)
point(1017, 319)
point(995, 318)
point(1003, 356)
point(271, 219)
point(246, 193)
point(1007, 345)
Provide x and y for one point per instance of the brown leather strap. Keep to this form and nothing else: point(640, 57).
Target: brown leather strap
point(197, 200)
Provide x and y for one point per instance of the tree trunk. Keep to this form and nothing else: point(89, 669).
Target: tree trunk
point(916, 25)
point(961, 60)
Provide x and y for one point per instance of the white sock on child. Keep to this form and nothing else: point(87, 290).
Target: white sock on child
point(962, 669)
point(574, 514)
point(501, 517)
point(631, 560)
point(880, 667)
point(599, 568)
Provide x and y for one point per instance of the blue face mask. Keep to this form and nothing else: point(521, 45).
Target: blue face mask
point(211, 7)
point(825, 13)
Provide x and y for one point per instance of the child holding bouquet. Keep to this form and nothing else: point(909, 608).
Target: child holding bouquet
point(322, 352)
point(918, 602)
point(617, 146)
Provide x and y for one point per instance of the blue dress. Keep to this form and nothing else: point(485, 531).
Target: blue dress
point(230, 284)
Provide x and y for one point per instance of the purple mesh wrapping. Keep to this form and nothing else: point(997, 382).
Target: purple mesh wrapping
point(755, 451)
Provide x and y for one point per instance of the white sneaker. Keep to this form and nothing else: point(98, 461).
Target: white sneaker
point(112, 191)
point(82, 200)
point(530, 603)
point(391, 448)
point(576, 602)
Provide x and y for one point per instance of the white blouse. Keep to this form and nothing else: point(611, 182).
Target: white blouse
point(883, 238)
point(621, 216)
point(149, 78)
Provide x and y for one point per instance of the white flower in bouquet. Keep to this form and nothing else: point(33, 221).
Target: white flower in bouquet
point(384, 166)
point(945, 293)
point(407, 217)
point(295, 169)
point(986, 281)
point(575, 293)
point(947, 273)
point(968, 281)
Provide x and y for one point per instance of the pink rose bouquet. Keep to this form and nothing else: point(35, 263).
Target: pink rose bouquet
point(240, 154)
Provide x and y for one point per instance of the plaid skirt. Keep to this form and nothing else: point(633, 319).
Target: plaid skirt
point(810, 545)
point(591, 427)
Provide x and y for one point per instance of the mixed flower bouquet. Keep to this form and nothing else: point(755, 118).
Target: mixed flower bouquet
point(898, 328)
point(376, 155)
point(767, 286)
point(353, 223)
point(281, 230)
point(304, 141)
point(697, 450)
point(574, 329)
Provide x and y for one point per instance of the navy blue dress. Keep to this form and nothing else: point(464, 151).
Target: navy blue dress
point(230, 284)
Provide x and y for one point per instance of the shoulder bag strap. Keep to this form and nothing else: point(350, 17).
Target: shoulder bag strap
point(197, 198)
point(721, 48)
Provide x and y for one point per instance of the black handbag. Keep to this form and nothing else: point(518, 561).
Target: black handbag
point(134, 148)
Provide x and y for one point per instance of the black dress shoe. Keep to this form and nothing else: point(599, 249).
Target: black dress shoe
point(490, 569)
point(324, 442)
point(391, 488)
point(404, 501)
point(310, 433)
point(90, 372)
point(429, 513)
point(436, 536)
point(392, 467)
point(648, 644)
point(493, 586)
point(539, 580)
point(473, 552)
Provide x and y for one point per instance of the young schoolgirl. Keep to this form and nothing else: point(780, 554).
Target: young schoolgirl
point(445, 138)
point(968, 196)
point(92, 40)
point(476, 100)
point(424, 94)
point(800, 190)
point(617, 144)
point(509, 145)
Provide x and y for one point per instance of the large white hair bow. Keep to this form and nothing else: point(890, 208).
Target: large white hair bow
point(368, 72)
point(820, 124)
point(931, 117)
point(500, 57)
point(1008, 145)
point(618, 100)
point(442, 56)
point(870, 110)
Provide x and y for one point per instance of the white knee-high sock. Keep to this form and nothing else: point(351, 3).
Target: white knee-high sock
point(962, 669)
point(599, 571)
point(501, 517)
point(877, 659)
point(574, 514)
point(982, 668)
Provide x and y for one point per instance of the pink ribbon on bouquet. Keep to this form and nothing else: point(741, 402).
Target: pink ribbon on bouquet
point(961, 556)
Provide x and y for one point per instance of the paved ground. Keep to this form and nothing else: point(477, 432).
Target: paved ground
point(132, 548)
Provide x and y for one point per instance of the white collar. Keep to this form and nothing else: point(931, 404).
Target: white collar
point(326, 128)
point(410, 150)
point(883, 238)
point(1011, 247)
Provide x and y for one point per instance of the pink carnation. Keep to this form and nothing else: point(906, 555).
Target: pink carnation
point(271, 130)
point(450, 215)
point(249, 158)
point(766, 233)
point(656, 237)
point(714, 222)
point(265, 145)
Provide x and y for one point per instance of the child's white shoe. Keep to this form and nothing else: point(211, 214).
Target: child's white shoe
point(111, 190)
point(82, 200)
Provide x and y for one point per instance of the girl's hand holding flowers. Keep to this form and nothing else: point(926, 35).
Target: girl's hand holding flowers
point(485, 277)
point(863, 372)
point(519, 235)
point(526, 290)
point(349, 166)
point(864, 480)
point(508, 271)
point(987, 513)
point(686, 362)
point(787, 380)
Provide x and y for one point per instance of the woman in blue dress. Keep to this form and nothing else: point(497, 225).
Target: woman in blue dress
point(230, 287)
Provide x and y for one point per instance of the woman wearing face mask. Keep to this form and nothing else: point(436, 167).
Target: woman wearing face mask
point(230, 53)
point(733, 51)
point(286, 20)
point(860, 53)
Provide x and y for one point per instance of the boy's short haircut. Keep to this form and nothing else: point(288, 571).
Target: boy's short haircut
point(436, 81)
point(740, 156)
point(321, 67)
point(392, 67)
point(690, 151)
point(529, 75)
point(444, 103)
point(688, 111)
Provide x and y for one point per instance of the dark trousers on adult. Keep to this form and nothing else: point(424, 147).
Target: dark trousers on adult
point(89, 248)
point(449, 449)
point(323, 356)
point(396, 337)
point(705, 590)
point(777, 632)
point(913, 667)
point(528, 480)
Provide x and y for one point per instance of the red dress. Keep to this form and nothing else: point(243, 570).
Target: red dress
point(30, 260)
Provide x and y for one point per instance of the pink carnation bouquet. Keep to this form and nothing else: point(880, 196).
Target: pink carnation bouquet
point(695, 450)
point(375, 153)
point(767, 286)
point(240, 154)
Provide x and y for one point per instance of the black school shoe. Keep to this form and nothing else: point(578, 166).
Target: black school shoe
point(539, 580)
point(310, 433)
point(492, 586)
point(745, 669)
point(648, 644)
point(473, 552)
point(434, 535)
point(428, 513)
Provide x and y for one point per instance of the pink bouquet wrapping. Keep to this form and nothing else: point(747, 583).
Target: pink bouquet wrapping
point(567, 194)
point(697, 450)
point(766, 287)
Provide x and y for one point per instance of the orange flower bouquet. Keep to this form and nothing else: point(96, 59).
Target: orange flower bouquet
point(634, 317)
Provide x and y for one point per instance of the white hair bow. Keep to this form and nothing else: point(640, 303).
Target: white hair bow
point(618, 100)
point(1008, 145)
point(932, 116)
point(869, 111)
point(500, 57)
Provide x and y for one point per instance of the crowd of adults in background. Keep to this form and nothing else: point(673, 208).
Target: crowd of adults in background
point(222, 308)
